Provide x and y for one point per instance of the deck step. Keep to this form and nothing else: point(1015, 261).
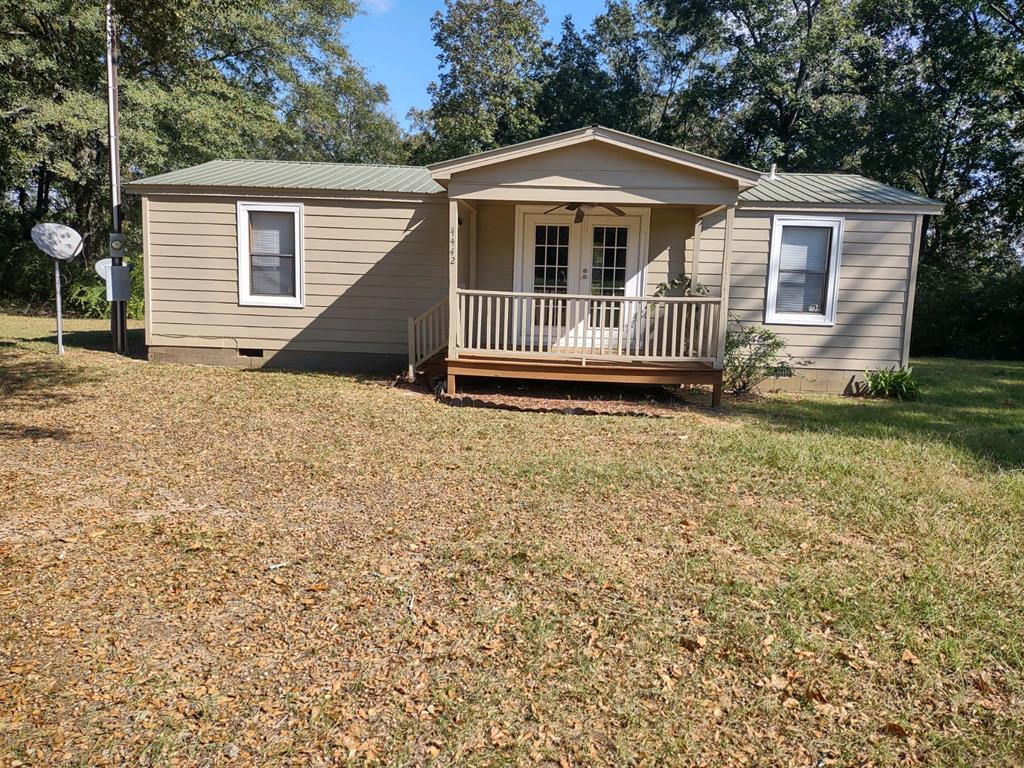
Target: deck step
point(434, 366)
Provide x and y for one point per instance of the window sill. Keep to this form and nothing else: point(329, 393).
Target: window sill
point(285, 302)
point(776, 319)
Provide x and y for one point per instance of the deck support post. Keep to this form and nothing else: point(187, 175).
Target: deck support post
point(451, 385)
point(453, 282)
point(723, 310)
point(716, 395)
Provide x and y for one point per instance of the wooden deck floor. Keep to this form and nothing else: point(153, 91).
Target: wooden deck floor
point(581, 369)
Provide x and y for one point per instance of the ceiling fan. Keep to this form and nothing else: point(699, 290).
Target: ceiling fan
point(582, 208)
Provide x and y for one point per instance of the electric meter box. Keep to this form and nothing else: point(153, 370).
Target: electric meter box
point(119, 283)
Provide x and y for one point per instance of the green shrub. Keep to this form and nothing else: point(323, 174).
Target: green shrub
point(754, 353)
point(897, 383)
point(87, 296)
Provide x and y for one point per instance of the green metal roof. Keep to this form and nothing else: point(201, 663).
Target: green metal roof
point(809, 188)
point(274, 174)
point(840, 188)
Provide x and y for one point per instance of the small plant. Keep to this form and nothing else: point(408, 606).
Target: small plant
point(896, 383)
point(754, 353)
point(683, 284)
point(88, 297)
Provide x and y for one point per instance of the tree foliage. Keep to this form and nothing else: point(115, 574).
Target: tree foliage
point(486, 93)
point(199, 79)
point(926, 95)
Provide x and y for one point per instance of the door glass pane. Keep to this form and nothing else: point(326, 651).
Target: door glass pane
point(608, 270)
point(551, 258)
point(608, 265)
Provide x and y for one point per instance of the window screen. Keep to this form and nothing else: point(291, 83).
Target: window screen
point(272, 253)
point(803, 269)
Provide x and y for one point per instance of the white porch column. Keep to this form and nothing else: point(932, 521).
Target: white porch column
point(723, 311)
point(453, 278)
point(698, 226)
point(908, 311)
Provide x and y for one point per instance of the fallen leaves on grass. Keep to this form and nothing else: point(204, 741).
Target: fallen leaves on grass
point(281, 569)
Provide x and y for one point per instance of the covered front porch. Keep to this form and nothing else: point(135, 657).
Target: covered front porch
point(564, 264)
point(665, 340)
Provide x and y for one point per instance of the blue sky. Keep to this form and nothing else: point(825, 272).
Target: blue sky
point(392, 40)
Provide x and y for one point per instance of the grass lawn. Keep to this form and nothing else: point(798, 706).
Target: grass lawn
point(204, 566)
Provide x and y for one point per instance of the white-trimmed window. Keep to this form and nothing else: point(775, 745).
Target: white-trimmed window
point(803, 270)
point(270, 254)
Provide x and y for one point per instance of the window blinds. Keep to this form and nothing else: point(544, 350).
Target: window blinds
point(803, 269)
point(272, 253)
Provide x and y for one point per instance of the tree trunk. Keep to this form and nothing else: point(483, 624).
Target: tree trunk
point(42, 192)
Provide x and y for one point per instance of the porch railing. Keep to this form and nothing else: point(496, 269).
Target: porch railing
point(574, 325)
point(428, 335)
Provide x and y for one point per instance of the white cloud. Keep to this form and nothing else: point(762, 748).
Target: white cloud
point(378, 6)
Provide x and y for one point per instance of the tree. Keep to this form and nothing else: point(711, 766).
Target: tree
point(621, 39)
point(340, 118)
point(490, 62)
point(576, 90)
point(778, 74)
point(945, 121)
point(199, 79)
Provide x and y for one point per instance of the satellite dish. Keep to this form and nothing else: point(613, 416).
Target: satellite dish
point(60, 243)
point(57, 241)
point(102, 268)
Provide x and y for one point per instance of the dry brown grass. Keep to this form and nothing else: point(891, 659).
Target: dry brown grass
point(203, 566)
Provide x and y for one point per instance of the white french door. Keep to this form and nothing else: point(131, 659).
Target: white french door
point(611, 267)
point(598, 257)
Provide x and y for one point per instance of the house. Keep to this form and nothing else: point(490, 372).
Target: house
point(545, 259)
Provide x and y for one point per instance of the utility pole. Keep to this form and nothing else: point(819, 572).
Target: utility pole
point(118, 300)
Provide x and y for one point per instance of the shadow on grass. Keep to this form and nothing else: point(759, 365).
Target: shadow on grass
point(100, 341)
point(37, 380)
point(11, 431)
point(977, 407)
point(571, 398)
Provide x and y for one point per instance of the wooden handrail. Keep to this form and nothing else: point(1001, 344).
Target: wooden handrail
point(428, 334)
point(523, 294)
point(559, 325)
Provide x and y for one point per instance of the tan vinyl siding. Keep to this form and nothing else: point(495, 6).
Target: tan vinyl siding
point(873, 280)
point(596, 172)
point(712, 242)
point(670, 247)
point(465, 235)
point(495, 250)
point(368, 266)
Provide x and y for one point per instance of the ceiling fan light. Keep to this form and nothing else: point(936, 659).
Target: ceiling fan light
point(582, 209)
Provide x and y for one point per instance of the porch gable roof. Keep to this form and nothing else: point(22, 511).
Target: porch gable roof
point(743, 177)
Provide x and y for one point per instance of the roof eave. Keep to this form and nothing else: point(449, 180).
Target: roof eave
point(136, 188)
point(931, 208)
